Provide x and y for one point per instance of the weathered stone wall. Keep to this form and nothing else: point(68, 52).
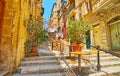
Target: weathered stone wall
point(102, 18)
point(111, 13)
point(6, 36)
point(14, 33)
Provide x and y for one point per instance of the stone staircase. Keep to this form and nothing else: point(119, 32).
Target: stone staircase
point(47, 64)
point(110, 65)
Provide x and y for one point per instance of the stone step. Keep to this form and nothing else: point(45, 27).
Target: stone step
point(109, 64)
point(3, 73)
point(94, 56)
point(39, 58)
point(103, 64)
point(45, 52)
point(45, 74)
point(39, 62)
point(109, 71)
point(104, 59)
point(101, 55)
point(40, 69)
point(39, 54)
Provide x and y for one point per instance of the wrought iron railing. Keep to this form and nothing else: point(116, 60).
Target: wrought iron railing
point(68, 70)
point(98, 56)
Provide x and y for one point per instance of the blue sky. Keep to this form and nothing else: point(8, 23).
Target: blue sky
point(47, 5)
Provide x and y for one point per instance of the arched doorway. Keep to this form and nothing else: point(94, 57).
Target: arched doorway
point(114, 26)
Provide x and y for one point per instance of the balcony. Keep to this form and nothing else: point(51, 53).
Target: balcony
point(64, 2)
point(58, 13)
point(63, 7)
point(102, 4)
point(72, 6)
point(89, 14)
point(42, 11)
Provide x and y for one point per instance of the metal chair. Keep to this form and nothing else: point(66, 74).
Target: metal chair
point(91, 64)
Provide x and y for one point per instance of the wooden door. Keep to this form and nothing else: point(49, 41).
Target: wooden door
point(2, 3)
point(97, 35)
point(119, 35)
point(115, 36)
point(2, 6)
point(88, 42)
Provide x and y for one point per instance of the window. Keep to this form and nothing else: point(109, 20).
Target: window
point(86, 8)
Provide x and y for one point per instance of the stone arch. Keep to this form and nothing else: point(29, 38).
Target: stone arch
point(114, 31)
point(113, 18)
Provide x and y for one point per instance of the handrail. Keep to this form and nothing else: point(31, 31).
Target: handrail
point(64, 59)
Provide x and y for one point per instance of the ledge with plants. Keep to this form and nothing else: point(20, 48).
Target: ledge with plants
point(36, 36)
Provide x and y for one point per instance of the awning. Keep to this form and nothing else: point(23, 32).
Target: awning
point(51, 30)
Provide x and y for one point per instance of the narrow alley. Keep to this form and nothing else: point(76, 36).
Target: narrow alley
point(59, 37)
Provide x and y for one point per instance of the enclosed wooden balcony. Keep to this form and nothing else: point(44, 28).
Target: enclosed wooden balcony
point(102, 4)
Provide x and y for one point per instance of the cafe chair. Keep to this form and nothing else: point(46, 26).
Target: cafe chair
point(90, 64)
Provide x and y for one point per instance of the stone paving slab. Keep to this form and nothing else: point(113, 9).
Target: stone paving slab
point(47, 74)
point(113, 58)
point(2, 73)
point(41, 69)
point(101, 55)
point(110, 63)
point(40, 62)
point(109, 71)
point(45, 52)
point(39, 58)
point(103, 64)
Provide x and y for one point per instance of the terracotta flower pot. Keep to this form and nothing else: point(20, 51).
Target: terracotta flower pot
point(76, 47)
point(34, 49)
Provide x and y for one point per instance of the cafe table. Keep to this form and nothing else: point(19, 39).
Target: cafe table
point(79, 53)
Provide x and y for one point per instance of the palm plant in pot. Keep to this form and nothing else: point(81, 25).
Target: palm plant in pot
point(36, 36)
point(76, 31)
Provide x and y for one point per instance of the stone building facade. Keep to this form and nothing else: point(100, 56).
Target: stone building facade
point(53, 18)
point(36, 9)
point(14, 16)
point(104, 17)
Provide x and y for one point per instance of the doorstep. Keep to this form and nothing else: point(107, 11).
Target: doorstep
point(3, 73)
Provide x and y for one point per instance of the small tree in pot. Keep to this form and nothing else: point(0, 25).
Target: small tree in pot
point(36, 36)
point(76, 31)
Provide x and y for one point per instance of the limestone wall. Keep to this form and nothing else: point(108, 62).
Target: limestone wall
point(14, 33)
point(102, 18)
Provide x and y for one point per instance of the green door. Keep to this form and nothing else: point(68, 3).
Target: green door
point(119, 35)
point(88, 42)
point(115, 36)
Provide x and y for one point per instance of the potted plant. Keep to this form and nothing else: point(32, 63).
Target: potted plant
point(36, 36)
point(76, 31)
